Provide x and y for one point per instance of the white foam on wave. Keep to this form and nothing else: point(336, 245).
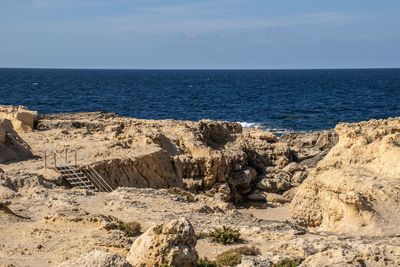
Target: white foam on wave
point(255, 125)
point(250, 124)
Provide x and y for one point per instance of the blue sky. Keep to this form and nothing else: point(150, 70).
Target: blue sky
point(200, 34)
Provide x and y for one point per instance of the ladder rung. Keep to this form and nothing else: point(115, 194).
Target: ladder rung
point(79, 182)
point(74, 177)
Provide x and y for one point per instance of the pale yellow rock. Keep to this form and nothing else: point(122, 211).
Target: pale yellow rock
point(97, 258)
point(359, 255)
point(23, 120)
point(3, 133)
point(356, 187)
point(14, 150)
point(257, 196)
point(172, 244)
point(262, 135)
point(276, 198)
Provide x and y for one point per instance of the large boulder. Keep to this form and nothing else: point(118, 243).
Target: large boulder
point(356, 186)
point(96, 258)
point(12, 147)
point(171, 244)
point(27, 117)
point(22, 118)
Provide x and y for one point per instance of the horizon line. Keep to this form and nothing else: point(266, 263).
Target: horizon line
point(196, 69)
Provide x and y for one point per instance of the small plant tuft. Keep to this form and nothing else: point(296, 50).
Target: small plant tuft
point(288, 263)
point(225, 235)
point(228, 258)
point(248, 251)
point(204, 262)
point(233, 257)
point(130, 229)
point(189, 197)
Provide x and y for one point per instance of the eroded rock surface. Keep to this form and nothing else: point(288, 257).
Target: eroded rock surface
point(166, 170)
point(356, 186)
point(200, 156)
point(12, 147)
point(97, 258)
point(171, 244)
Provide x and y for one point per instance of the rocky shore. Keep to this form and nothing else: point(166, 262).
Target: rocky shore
point(328, 198)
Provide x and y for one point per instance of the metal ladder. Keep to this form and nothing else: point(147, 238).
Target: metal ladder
point(85, 177)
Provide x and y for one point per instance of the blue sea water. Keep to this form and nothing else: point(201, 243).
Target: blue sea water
point(298, 100)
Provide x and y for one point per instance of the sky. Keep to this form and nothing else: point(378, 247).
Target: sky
point(200, 34)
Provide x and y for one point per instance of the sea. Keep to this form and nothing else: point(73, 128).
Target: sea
point(275, 100)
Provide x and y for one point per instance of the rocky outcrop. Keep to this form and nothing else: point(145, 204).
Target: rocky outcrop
point(310, 147)
point(356, 186)
point(12, 147)
point(97, 258)
point(171, 244)
point(153, 168)
point(359, 255)
point(21, 118)
point(201, 156)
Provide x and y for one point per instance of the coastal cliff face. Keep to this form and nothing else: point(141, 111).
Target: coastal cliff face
point(199, 156)
point(179, 180)
point(356, 186)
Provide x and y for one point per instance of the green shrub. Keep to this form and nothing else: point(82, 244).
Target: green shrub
point(248, 251)
point(225, 235)
point(206, 263)
point(229, 258)
point(288, 263)
point(233, 257)
point(130, 229)
point(189, 197)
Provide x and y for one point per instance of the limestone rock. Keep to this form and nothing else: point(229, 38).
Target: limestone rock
point(217, 134)
point(289, 194)
point(97, 258)
point(151, 169)
point(3, 134)
point(359, 255)
point(262, 135)
point(310, 147)
point(255, 261)
point(276, 198)
point(4, 125)
point(27, 117)
point(257, 195)
point(298, 177)
point(20, 117)
point(242, 180)
point(356, 186)
point(278, 184)
point(293, 167)
point(12, 147)
point(171, 244)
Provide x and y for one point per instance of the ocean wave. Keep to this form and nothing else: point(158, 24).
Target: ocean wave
point(256, 125)
point(250, 124)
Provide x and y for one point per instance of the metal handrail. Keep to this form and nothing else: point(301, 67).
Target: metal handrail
point(68, 166)
point(91, 173)
point(94, 179)
point(108, 187)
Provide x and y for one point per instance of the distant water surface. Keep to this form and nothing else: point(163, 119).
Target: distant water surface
point(273, 99)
